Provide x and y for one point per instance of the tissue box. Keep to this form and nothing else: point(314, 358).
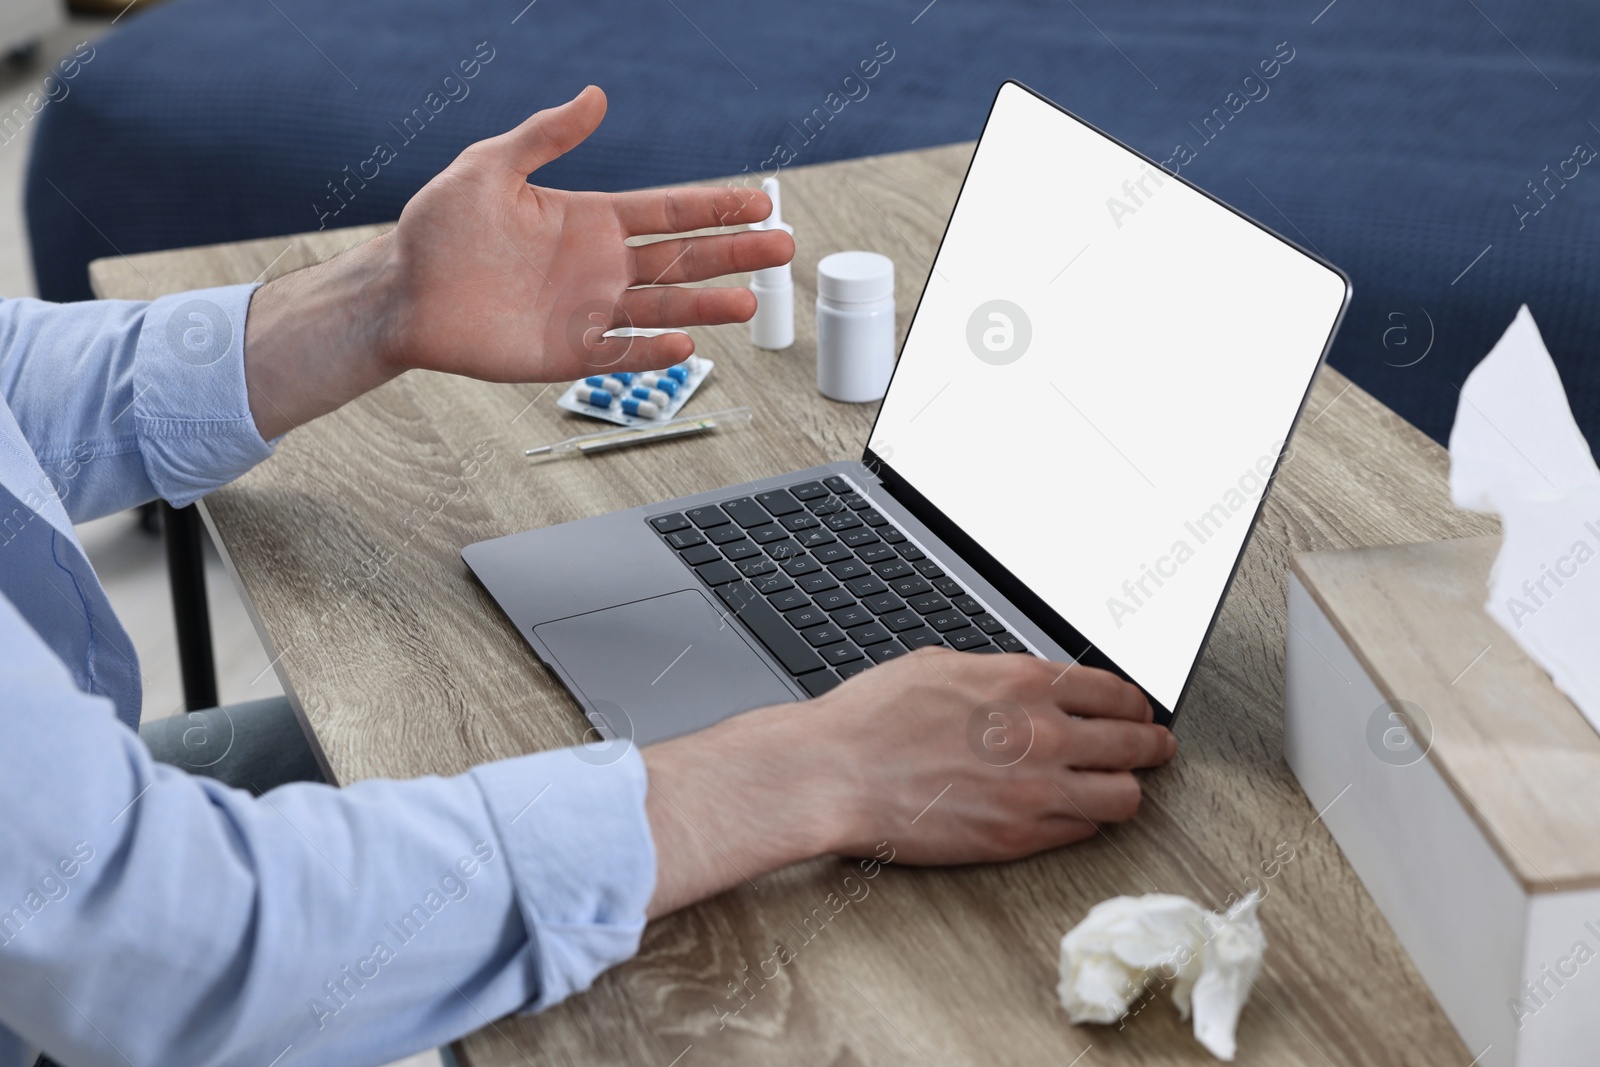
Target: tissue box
point(1463, 787)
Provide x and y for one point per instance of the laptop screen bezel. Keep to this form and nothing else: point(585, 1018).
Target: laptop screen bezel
point(1040, 613)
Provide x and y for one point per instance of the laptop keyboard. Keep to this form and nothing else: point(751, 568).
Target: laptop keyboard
point(826, 582)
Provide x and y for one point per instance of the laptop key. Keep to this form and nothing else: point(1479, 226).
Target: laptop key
point(910, 586)
point(834, 599)
point(969, 605)
point(948, 586)
point(913, 553)
point(848, 568)
point(801, 565)
point(813, 538)
point(763, 620)
point(808, 490)
point(842, 520)
point(789, 598)
point(886, 651)
point(763, 535)
point(773, 583)
point(698, 554)
point(816, 583)
point(755, 568)
point(827, 505)
point(784, 550)
point(872, 517)
point(800, 521)
point(858, 538)
point(843, 652)
point(665, 524)
point(818, 682)
point(850, 670)
point(883, 602)
point(871, 634)
point(838, 484)
point(925, 567)
point(779, 502)
point(902, 620)
point(969, 638)
point(921, 637)
point(988, 624)
point(743, 548)
point(727, 533)
point(818, 636)
point(945, 621)
point(685, 538)
point(893, 568)
point(708, 516)
point(891, 535)
point(831, 553)
point(717, 573)
point(874, 553)
point(854, 615)
point(1008, 642)
point(867, 585)
point(746, 512)
point(806, 617)
point(928, 603)
point(855, 501)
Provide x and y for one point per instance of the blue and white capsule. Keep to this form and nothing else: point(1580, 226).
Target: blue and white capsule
point(624, 376)
point(610, 385)
point(595, 398)
point(642, 408)
point(659, 381)
point(680, 373)
point(655, 396)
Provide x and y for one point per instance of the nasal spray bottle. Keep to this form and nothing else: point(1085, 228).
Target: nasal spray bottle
point(773, 324)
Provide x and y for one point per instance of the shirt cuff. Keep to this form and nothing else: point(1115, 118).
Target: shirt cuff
point(583, 862)
point(191, 407)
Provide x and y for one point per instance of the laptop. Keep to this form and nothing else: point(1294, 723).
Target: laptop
point(1091, 401)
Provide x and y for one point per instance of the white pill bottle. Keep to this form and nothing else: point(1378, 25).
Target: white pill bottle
point(855, 326)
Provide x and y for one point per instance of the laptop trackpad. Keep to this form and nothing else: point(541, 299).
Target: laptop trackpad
point(663, 666)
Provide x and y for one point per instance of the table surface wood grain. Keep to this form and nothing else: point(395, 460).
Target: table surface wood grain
point(347, 542)
point(1512, 746)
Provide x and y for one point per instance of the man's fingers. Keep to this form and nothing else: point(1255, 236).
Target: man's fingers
point(553, 132)
point(682, 210)
point(1099, 796)
point(694, 259)
point(1094, 692)
point(1109, 745)
point(638, 353)
point(669, 305)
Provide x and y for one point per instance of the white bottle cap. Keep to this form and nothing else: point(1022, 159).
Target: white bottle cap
point(855, 277)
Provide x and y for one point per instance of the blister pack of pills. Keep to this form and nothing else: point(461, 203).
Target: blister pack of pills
point(643, 398)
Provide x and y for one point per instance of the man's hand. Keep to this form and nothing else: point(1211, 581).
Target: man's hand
point(489, 276)
point(948, 757)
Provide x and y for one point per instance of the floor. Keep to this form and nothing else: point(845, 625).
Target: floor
point(128, 560)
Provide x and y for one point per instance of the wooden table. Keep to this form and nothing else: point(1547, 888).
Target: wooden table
point(346, 545)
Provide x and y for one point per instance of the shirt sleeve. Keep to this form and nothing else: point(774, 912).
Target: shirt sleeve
point(123, 401)
point(147, 916)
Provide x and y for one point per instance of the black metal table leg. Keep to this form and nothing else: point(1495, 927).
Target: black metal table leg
point(186, 569)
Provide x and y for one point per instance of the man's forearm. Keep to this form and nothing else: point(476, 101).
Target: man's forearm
point(318, 338)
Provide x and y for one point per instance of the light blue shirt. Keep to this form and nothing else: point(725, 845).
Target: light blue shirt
point(151, 917)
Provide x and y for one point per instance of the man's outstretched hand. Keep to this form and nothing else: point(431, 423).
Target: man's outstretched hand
point(492, 277)
point(508, 281)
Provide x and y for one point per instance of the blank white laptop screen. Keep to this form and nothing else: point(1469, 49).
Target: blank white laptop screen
point(1099, 381)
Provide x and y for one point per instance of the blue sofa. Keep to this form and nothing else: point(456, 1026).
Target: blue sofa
point(1438, 150)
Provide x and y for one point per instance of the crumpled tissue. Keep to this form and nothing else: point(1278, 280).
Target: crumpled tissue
point(1127, 947)
point(1516, 451)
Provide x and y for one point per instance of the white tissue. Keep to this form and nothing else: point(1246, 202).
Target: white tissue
point(1515, 451)
point(1127, 946)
